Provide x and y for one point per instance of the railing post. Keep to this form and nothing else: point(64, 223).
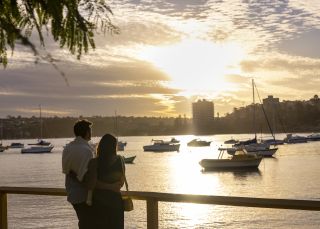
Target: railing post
point(152, 213)
point(3, 211)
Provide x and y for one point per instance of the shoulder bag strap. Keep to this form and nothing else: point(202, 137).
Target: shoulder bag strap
point(124, 173)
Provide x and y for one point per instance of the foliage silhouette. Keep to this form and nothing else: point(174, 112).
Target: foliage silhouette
point(72, 23)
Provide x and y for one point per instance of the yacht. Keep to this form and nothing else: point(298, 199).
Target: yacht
point(198, 143)
point(314, 137)
point(294, 139)
point(161, 146)
point(37, 149)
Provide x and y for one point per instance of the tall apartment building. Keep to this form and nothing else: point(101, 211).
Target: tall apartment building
point(202, 116)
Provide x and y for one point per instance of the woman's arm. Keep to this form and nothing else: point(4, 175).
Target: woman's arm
point(91, 177)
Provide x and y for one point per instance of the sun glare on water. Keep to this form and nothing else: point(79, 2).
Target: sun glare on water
point(197, 66)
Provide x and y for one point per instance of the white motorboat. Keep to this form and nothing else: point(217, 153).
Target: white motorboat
point(198, 143)
point(38, 149)
point(240, 160)
point(314, 137)
point(294, 139)
point(161, 146)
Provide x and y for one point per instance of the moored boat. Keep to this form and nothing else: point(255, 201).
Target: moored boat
point(198, 143)
point(161, 146)
point(16, 145)
point(237, 161)
point(121, 145)
point(2, 148)
point(129, 160)
point(294, 139)
point(273, 141)
point(314, 137)
point(37, 149)
point(40, 142)
point(231, 141)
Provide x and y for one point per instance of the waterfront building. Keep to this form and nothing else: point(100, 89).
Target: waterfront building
point(202, 116)
point(270, 101)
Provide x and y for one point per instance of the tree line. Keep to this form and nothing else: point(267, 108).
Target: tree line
point(283, 117)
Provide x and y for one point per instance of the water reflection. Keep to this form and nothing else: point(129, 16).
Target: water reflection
point(241, 173)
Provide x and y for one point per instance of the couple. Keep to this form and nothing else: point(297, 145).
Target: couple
point(101, 176)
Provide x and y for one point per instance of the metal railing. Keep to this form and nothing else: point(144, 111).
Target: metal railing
point(152, 199)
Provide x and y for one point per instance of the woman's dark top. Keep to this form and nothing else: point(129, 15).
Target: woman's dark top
point(110, 174)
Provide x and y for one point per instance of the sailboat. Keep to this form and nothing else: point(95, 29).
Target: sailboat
point(2, 148)
point(121, 145)
point(41, 146)
point(252, 146)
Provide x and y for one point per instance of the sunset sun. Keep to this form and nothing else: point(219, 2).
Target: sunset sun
point(196, 66)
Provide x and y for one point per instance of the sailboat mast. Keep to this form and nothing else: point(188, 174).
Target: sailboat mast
point(116, 123)
point(1, 130)
point(40, 121)
point(254, 111)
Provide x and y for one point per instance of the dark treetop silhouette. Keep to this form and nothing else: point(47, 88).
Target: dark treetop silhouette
point(72, 23)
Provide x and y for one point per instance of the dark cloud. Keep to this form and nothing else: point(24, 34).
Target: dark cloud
point(285, 63)
point(305, 44)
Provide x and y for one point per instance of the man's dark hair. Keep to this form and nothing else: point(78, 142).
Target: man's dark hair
point(81, 128)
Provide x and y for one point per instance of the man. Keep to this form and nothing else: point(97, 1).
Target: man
point(75, 160)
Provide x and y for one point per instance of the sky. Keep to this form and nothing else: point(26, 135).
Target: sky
point(170, 53)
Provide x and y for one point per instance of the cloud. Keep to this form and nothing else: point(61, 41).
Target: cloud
point(279, 38)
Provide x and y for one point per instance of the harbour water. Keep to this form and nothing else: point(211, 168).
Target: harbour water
point(294, 173)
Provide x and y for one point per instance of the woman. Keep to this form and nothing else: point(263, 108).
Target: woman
point(107, 204)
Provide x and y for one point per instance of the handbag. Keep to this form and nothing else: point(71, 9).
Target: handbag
point(126, 200)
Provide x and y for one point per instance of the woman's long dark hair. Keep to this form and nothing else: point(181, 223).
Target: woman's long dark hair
point(106, 150)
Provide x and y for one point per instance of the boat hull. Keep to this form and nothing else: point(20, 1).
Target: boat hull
point(129, 160)
point(37, 150)
point(229, 164)
point(263, 152)
point(199, 144)
point(161, 148)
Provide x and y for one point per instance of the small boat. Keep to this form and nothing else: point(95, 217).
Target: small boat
point(40, 143)
point(198, 143)
point(273, 141)
point(174, 140)
point(121, 145)
point(129, 160)
point(16, 145)
point(240, 160)
point(314, 137)
point(231, 141)
point(294, 139)
point(161, 146)
point(37, 149)
point(262, 149)
point(2, 148)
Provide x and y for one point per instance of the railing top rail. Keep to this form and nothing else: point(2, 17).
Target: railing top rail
point(186, 198)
